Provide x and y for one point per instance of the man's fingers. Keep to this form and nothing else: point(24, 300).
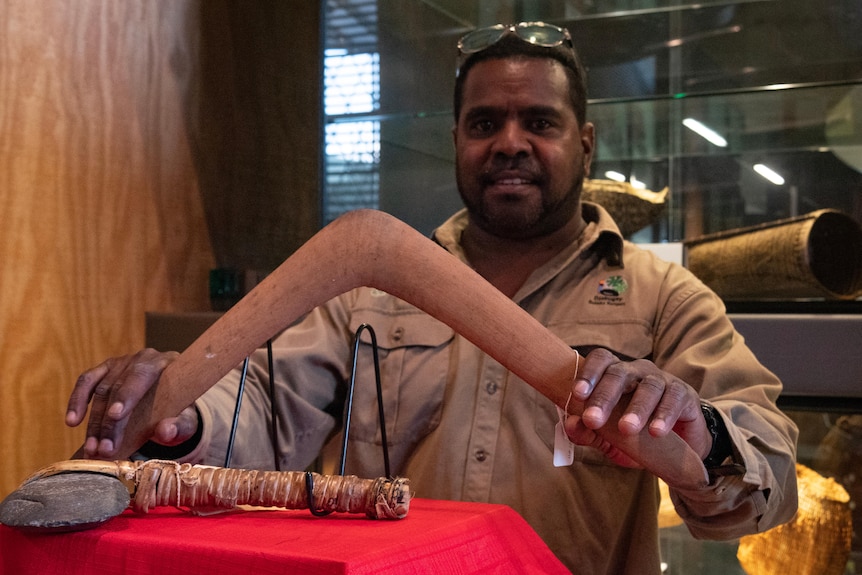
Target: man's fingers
point(112, 436)
point(677, 398)
point(139, 373)
point(605, 396)
point(82, 392)
point(113, 389)
point(138, 377)
point(594, 365)
point(580, 434)
point(646, 396)
point(640, 410)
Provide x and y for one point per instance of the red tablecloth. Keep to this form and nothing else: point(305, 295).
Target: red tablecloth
point(436, 537)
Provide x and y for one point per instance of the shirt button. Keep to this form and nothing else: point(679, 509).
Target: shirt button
point(397, 334)
point(481, 455)
point(491, 387)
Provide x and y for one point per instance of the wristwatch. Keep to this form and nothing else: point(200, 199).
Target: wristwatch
point(719, 462)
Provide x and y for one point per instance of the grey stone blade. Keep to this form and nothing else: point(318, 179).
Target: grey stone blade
point(64, 502)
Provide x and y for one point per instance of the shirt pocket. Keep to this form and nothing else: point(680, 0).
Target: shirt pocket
point(627, 339)
point(413, 351)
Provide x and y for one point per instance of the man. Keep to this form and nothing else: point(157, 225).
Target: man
point(459, 425)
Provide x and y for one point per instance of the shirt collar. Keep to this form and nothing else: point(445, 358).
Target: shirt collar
point(607, 235)
point(601, 234)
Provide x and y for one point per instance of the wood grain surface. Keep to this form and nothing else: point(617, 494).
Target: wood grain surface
point(99, 204)
point(142, 143)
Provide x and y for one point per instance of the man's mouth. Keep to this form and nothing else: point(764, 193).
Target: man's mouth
point(511, 177)
point(510, 185)
point(512, 182)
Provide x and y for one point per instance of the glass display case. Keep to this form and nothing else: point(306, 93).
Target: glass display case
point(780, 81)
point(749, 111)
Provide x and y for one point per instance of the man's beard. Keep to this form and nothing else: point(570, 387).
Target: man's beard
point(514, 219)
point(521, 217)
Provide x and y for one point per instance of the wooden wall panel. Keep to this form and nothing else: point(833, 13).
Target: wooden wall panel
point(259, 129)
point(142, 143)
point(100, 211)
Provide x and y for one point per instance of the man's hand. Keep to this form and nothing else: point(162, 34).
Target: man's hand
point(656, 400)
point(114, 388)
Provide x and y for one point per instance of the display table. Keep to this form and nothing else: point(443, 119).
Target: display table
point(436, 537)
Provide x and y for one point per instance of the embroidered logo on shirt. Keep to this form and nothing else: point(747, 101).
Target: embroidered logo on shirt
point(610, 291)
point(613, 286)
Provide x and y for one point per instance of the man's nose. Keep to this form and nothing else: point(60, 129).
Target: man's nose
point(512, 140)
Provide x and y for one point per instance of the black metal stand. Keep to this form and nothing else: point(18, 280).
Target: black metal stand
point(348, 409)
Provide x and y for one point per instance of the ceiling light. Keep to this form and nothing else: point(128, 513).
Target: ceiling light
point(615, 176)
point(707, 134)
point(769, 174)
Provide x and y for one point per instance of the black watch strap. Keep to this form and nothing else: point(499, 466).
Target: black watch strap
point(722, 447)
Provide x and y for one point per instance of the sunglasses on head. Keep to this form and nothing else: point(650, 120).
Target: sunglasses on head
point(537, 33)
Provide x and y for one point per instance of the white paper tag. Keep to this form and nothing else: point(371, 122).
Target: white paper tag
point(564, 450)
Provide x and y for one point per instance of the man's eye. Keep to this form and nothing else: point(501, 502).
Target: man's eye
point(540, 125)
point(483, 127)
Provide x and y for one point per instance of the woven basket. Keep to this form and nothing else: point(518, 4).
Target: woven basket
point(817, 255)
point(631, 208)
point(815, 542)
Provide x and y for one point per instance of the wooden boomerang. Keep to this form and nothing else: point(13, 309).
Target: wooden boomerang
point(370, 248)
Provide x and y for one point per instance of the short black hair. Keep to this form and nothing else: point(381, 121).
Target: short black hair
point(510, 46)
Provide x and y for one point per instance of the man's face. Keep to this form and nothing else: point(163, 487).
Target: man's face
point(521, 156)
